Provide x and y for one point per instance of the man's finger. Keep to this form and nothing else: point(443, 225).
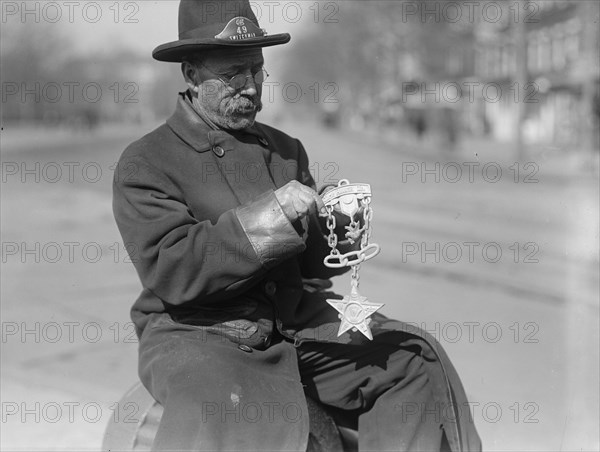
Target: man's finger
point(319, 204)
point(307, 200)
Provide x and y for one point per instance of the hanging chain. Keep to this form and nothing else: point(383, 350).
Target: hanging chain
point(332, 239)
point(367, 217)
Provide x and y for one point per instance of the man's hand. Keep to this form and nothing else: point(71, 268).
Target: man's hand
point(298, 200)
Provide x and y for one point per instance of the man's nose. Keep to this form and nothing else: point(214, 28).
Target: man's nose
point(250, 87)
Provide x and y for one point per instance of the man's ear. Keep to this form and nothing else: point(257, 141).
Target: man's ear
point(191, 76)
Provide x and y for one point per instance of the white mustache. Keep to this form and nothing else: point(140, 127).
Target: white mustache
point(243, 103)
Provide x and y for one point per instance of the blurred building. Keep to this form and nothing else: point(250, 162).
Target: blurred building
point(559, 93)
point(532, 75)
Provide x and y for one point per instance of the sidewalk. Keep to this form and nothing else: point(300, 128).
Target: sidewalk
point(27, 138)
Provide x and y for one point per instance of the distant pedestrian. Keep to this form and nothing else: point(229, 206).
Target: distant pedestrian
point(450, 127)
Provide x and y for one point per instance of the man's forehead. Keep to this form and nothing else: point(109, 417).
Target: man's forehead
point(233, 57)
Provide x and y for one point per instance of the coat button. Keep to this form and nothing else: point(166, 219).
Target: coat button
point(263, 141)
point(245, 348)
point(270, 288)
point(219, 151)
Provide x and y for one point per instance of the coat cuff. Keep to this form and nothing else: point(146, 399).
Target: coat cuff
point(268, 229)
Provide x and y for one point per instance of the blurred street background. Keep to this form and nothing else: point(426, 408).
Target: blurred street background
point(476, 123)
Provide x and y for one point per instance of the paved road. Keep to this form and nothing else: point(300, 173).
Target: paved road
point(504, 273)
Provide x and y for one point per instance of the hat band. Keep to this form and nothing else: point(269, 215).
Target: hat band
point(237, 29)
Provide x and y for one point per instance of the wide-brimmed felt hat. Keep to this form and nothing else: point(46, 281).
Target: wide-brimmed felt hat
point(214, 24)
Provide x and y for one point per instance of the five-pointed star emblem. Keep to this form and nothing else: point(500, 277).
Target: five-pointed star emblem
point(355, 311)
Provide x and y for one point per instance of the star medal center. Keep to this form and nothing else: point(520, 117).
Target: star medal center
point(354, 312)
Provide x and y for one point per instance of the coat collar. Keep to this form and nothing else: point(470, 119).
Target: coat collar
point(188, 125)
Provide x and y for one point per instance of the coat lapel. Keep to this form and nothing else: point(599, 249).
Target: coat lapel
point(282, 170)
point(242, 164)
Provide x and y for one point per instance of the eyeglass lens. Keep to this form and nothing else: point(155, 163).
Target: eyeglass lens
point(239, 81)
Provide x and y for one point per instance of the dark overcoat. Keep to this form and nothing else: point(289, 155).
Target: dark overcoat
point(214, 251)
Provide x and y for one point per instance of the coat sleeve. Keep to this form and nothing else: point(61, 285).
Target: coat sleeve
point(317, 247)
point(181, 259)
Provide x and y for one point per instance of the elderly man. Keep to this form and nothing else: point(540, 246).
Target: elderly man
point(226, 232)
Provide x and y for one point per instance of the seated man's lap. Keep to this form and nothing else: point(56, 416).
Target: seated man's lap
point(210, 387)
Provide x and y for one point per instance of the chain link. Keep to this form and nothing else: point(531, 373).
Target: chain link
point(355, 275)
point(332, 239)
point(367, 217)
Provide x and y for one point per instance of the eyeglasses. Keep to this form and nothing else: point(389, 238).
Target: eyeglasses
point(238, 81)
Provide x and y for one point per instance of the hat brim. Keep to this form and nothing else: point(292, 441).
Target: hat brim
point(174, 52)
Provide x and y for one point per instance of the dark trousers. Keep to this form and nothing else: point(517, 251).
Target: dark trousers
point(221, 396)
point(373, 386)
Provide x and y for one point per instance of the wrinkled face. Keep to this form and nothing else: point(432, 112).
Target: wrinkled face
point(208, 77)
